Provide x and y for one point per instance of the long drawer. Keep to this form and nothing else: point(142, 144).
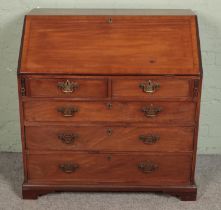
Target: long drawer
point(154, 112)
point(130, 168)
point(112, 138)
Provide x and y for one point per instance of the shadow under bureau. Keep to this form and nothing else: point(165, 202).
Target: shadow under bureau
point(109, 101)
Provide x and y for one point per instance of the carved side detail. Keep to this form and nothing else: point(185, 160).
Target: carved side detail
point(196, 88)
point(23, 90)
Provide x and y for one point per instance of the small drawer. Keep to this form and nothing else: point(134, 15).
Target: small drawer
point(111, 138)
point(127, 168)
point(154, 88)
point(67, 87)
point(134, 112)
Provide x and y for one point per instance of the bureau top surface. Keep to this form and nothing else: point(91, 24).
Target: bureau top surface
point(157, 12)
point(110, 42)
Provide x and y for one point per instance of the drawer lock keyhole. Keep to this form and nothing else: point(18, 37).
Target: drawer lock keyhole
point(109, 131)
point(109, 157)
point(109, 105)
point(110, 21)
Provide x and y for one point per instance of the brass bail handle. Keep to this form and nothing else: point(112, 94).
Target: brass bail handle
point(68, 138)
point(68, 167)
point(149, 139)
point(147, 166)
point(151, 111)
point(68, 111)
point(149, 86)
point(68, 86)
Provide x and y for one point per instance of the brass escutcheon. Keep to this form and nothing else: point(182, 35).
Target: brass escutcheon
point(109, 105)
point(109, 131)
point(110, 21)
point(109, 157)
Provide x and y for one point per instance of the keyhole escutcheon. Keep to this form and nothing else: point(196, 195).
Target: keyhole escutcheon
point(110, 20)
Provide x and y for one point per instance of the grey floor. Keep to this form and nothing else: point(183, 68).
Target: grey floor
point(208, 178)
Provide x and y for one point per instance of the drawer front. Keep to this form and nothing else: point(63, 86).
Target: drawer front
point(156, 112)
point(68, 87)
point(106, 168)
point(113, 138)
point(152, 88)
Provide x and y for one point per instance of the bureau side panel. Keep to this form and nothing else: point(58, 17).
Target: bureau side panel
point(21, 93)
point(197, 88)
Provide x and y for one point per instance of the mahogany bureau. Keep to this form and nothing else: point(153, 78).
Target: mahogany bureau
point(109, 101)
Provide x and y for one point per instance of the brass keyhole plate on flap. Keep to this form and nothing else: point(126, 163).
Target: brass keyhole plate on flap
point(109, 157)
point(110, 20)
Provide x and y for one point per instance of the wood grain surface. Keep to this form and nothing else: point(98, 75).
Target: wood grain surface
point(171, 112)
point(111, 138)
point(101, 168)
point(87, 88)
point(119, 45)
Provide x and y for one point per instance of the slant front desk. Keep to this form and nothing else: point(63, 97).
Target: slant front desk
point(109, 101)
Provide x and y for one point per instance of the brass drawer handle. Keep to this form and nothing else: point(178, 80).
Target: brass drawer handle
point(149, 139)
point(68, 86)
point(68, 111)
point(68, 167)
point(151, 111)
point(149, 86)
point(68, 138)
point(147, 167)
